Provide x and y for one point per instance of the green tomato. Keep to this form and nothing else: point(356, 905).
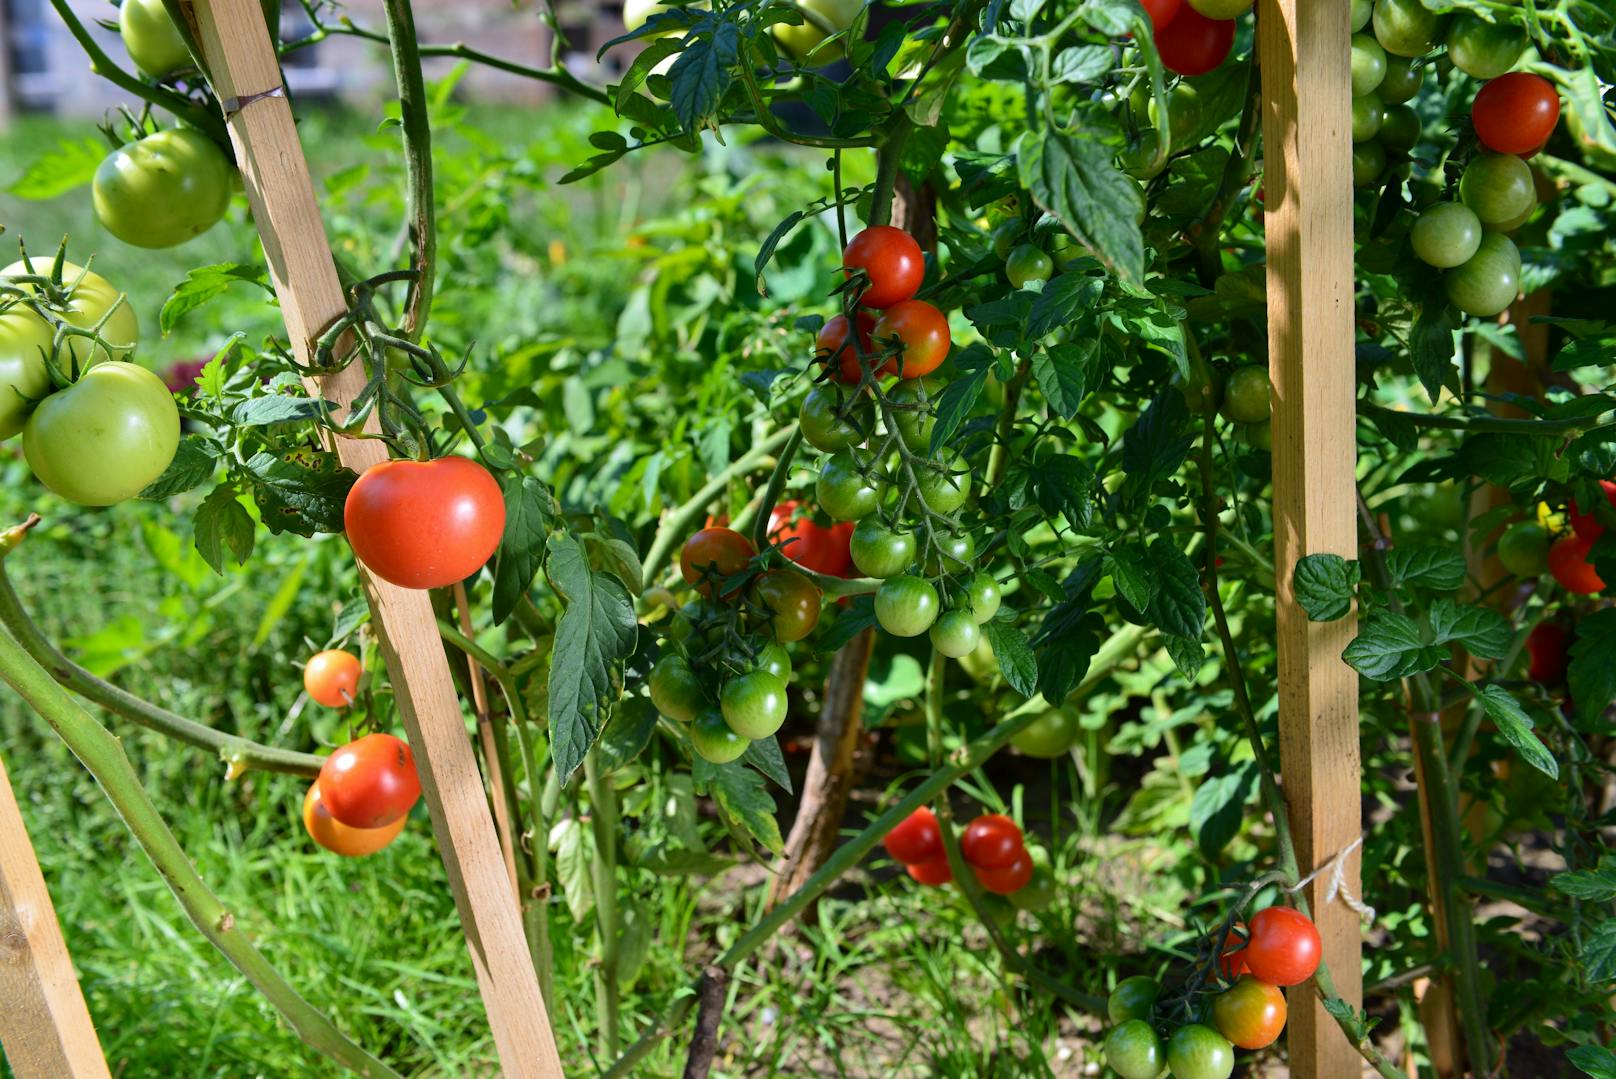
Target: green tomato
point(1446, 235)
point(955, 634)
point(1050, 735)
point(1515, 222)
point(1005, 234)
point(1524, 549)
point(1368, 163)
point(1249, 393)
point(1133, 998)
point(774, 658)
point(947, 490)
point(1027, 263)
point(843, 491)
point(879, 551)
point(982, 596)
point(1403, 80)
point(1202, 388)
point(982, 665)
point(1362, 10)
point(150, 37)
point(1400, 128)
point(829, 424)
point(1405, 27)
point(1489, 281)
point(163, 190)
point(1134, 1051)
point(914, 414)
point(1183, 114)
point(1484, 50)
point(1498, 187)
point(906, 606)
point(950, 554)
point(754, 704)
point(105, 438)
point(675, 690)
point(713, 739)
point(1139, 157)
point(1368, 64)
point(90, 297)
point(1221, 9)
point(1038, 893)
point(1197, 1051)
point(1259, 436)
point(25, 341)
point(1367, 115)
point(821, 19)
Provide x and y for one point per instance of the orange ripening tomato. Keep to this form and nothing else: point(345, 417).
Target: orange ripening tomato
point(933, 872)
point(833, 347)
point(923, 332)
point(370, 782)
point(1251, 1015)
point(425, 524)
point(891, 260)
point(332, 678)
point(337, 837)
point(713, 554)
point(1568, 562)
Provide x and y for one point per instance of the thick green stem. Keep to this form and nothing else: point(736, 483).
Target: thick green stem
point(1123, 644)
point(161, 96)
point(603, 818)
point(417, 130)
point(102, 755)
point(235, 752)
point(889, 157)
point(1500, 425)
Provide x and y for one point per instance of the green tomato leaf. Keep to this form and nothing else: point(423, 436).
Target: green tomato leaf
point(1481, 630)
point(702, 73)
point(594, 635)
point(1593, 1060)
point(193, 465)
point(764, 755)
point(1326, 585)
point(223, 523)
point(302, 493)
point(627, 733)
point(1432, 349)
point(1016, 660)
point(573, 847)
point(1075, 179)
point(71, 164)
point(1067, 373)
point(1516, 727)
point(858, 617)
point(1064, 301)
point(1179, 605)
point(1597, 885)
point(1389, 647)
point(1599, 952)
point(1132, 573)
point(1187, 655)
point(1219, 806)
point(958, 398)
point(1592, 675)
point(742, 799)
point(1155, 446)
point(202, 286)
point(1440, 569)
point(521, 551)
point(268, 411)
point(1063, 485)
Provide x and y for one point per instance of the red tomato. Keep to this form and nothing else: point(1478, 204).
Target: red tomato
point(1284, 948)
point(809, 544)
point(1193, 44)
point(1568, 562)
point(916, 838)
point(935, 871)
point(1162, 12)
point(892, 261)
point(337, 837)
point(371, 782)
point(1232, 959)
point(922, 329)
point(1250, 1015)
point(1547, 644)
point(992, 841)
point(714, 553)
point(1515, 113)
point(332, 678)
point(1008, 878)
point(832, 345)
point(1584, 524)
point(425, 524)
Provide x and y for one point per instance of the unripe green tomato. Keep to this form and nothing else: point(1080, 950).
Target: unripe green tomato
point(982, 596)
point(950, 554)
point(1368, 163)
point(982, 665)
point(1368, 64)
point(844, 492)
point(1006, 234)
point(152, 40)
point(1197, 1051)
point(1050, 735)
point(714, 740)
point(1400, 129)
point(774, 659)
point(1039, 892)
point(1248, 397)
point(1367, 115)
point(25, 341)
point(675, 690)
point(1139, 157)
point(1361, 12)
point(1484, 50)
point(828, 424)
point(1523, 549)
point(1406, 27)
point(880, 551)
point(162, 190)
point(906, 606)
point(92, 297)
point(1134, 1051)
point(1401, 82)
point(1026, 264)
point(1498, 187)
point(753, 704)
point(821, 19)
point(1489, 281)
point(947, 490)
point(914, 423)
point(106, 437)
point(1446, 235)
point(1133, 998)
point(1183, 114)
point(1259, 436)
point(1515, 222)
point(955, 634)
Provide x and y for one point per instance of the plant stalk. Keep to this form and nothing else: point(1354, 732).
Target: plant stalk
point(420, 207)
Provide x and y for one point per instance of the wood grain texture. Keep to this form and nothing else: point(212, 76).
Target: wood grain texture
point(1304, 51)
point(241, 61)
point(45, 1027)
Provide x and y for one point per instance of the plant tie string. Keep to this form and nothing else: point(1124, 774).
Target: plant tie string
point(1337, 868)
point(233, 106)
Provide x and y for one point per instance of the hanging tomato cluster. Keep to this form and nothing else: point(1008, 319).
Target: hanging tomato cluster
point(1193, 1033)
point(1559, 544)
point(992, 845)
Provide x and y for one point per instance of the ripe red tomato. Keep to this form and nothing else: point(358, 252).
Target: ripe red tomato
point(1284, 948)
point(892, 261)
point(1568, 562)
point(916, 838)
point(371, 782)
point(933, 872)
point(832, 346)
point(337, 837)
point(809, 544)
point(1193, 44)
point(332, 678)
point(1162, 12)
point(1250, 1015)
point(992, 841)
point(713, 554)
point(425, 524)
point(922, 329)
point(1584, 524)
point(1548, 645)
point(1008, 878)
point(1515, 113)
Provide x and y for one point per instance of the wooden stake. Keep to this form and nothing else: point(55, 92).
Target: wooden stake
point(44, 1025)
point(246, 76)
point(1304, 50)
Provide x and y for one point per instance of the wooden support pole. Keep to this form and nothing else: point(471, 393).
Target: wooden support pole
point(44, 1026)
point(246, 76)
point(1303, 47)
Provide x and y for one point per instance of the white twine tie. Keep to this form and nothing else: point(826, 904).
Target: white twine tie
point(1337, 868)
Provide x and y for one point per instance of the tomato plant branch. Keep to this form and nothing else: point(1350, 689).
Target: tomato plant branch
point(889, 158)
point(420, 207)
point(1120, 647)
point(1488, 424)
point(603, 819)
point(1207, 234)
point(103, 757)
point(232, 749)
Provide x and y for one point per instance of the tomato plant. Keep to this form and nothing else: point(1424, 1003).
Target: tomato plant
point(832, 420)
point(370, 782)
point(878, 550)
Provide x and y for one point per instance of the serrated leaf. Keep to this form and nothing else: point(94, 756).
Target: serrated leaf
point(1067, 641)
point(204, 285)
point(1132, 574)
point(741, 796)
point(1599, 952)
point(1016, 660)
point(593, 636)
point(1516, 727)
point(1325, 585)
point(1594, 1061)
point(1597, 885)
point(193, 465)
point(1187, 655)
point(1155, 446)
point(764, 755)
point(627, 733)
point(702, 73)
point(1066, 373)
point(1440, 569)
point(222, 523)
point(573, 848)
point(1481, 630)
point(1218, 807)
point(955, 403)
point(522, 547)
point(303, 494)
point(1063, 485)
point(858, 617)
point(1066, 297)
point(1076, 180)
point(1592, 674)
point(766, 252)
point(1389, 647)
point(1081, 63)
point(266, 411)
point(70, 164)
point(1179, 605)
point(1431, 347)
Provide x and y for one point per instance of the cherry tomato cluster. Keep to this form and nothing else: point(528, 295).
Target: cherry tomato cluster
point(1512, 115)
point(363, 795)
point(1194, 1033)
point(992, 845)
point(884, 476)
point(96, 429)
point(1558, 544)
